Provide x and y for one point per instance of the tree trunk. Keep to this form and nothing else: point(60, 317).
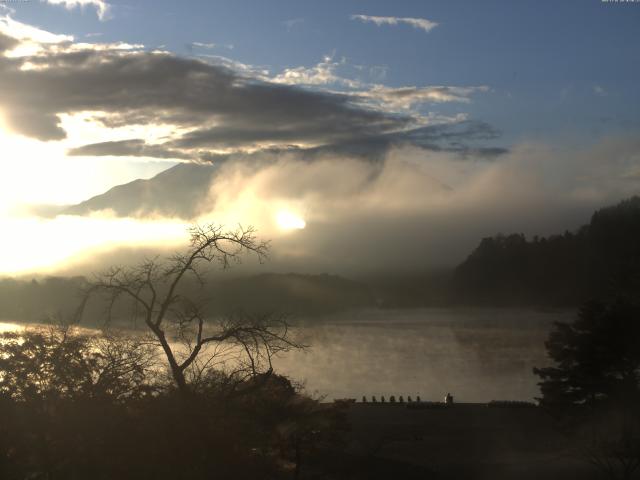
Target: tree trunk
point(176, 371)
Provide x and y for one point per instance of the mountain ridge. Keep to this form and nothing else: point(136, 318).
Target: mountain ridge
point(188, 184)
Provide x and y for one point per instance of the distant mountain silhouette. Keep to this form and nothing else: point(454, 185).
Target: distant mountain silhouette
point(176, 192)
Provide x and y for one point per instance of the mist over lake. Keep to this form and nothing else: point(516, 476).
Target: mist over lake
point(476, 354)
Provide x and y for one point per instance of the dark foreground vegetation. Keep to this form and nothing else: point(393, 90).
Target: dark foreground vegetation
point(74, 406)
point(79, 407)
point(593, 388)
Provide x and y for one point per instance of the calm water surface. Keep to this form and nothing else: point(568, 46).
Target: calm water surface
point(476, 354)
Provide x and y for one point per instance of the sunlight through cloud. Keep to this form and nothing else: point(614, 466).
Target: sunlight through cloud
point(289, 221)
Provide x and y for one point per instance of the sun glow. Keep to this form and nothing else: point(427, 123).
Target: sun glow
point(36, 173)
point(289, 221)
point(42, 245)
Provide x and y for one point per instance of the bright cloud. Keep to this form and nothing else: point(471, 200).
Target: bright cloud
point(392, 98)
point(357, 213)
point(28, 33)
point(419, 23)
point(407, 97)
point(102, 7)
point(323, 73)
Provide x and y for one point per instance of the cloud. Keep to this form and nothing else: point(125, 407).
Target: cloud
point(243, 69)
point(102, 8)
point(441, 137)
point(407, 97)
point(413, 210)
point(215, 107)
point(323, 73)
point(600, 91)
point(419, 23)
point(206, 46)
point(420, 209)
point(293, 22)
point(402, 98)
point(180, 190)
point(128, 148)
point(138, 87)
point(24, 33)
point(7, 43)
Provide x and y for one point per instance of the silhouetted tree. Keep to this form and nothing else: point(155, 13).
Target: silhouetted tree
point(614, 249)
point(58, 363)
point(594, 387)
point(196, 347)
point(62, 398)
point(600, 260)
point(597, 356)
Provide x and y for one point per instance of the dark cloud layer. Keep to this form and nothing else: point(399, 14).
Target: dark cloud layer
point(150, 88)
point(443, 137)
point(6, 43)
point(130, 148)
point(220, 108)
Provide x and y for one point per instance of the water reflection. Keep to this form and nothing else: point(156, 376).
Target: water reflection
point(10, 327)
point(477, 354)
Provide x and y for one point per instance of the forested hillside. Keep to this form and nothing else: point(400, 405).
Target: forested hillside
point(600, 260)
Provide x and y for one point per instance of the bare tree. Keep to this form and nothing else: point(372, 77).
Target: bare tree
point(196, 346)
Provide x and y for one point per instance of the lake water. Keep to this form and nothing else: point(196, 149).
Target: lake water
point(476, 354)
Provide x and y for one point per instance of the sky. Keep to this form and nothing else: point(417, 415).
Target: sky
point(357, 135)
